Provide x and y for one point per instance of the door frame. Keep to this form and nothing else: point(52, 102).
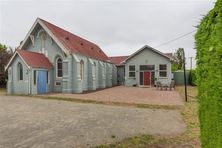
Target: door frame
point(38, 81)
point(143, 78)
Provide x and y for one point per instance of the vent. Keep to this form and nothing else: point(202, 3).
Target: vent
point(81, 44)
point(92, 48)
point(67, 38)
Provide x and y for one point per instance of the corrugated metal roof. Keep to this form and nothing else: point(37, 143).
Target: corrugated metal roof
point(76, 44)
point(34, 59)
point(117, 60)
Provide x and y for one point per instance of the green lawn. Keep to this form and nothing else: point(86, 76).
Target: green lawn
point(190, 138)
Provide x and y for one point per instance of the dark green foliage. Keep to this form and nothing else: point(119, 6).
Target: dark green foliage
point(209, 77)
point(4, 57)
point(174, 67)
point(193, 78)
point(177, 63)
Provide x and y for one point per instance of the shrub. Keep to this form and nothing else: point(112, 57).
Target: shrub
point(209, 77)
point(193, 78)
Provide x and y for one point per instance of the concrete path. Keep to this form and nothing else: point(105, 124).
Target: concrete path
point(33, 122)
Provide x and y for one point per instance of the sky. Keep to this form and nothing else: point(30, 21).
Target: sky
point(119, 27)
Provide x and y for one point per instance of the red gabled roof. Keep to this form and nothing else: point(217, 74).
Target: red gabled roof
point(76, 44)
point(117, 60)
point(170, 55)
point(34, 59)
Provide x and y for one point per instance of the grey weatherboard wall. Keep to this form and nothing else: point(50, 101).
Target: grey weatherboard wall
point(147, 57)
point(96, 73)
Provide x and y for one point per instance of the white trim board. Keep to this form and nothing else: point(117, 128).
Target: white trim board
point(38, 21)
point(141, 49)
point(12, 58)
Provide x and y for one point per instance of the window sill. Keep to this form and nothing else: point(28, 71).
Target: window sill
point(163, 77)
point(131, 77)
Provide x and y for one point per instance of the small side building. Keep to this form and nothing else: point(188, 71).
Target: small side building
point(143, 68)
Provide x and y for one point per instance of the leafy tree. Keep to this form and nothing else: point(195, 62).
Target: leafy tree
point(4, 57)
point(177, 60)
point(2, 48)
point(209, 77)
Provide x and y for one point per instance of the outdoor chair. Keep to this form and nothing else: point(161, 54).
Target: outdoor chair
point(158, 85)
point(172, 85)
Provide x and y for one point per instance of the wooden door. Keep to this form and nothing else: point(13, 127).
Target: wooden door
point(146, 78)
point(41, 82)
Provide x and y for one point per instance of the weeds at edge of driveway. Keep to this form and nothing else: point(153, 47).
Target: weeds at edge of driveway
point(2, 91)
point(190, 138)
point(137, 141)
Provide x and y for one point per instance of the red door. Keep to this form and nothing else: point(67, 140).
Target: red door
point(146, 78)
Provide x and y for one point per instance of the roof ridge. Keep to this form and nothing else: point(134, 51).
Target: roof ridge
point(68, 32)
point(118, 56)
point(30, 51)
point(74, 43)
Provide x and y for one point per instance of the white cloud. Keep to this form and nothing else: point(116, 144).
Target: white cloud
point(118, 27)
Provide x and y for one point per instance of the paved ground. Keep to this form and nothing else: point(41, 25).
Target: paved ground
point(130, 95)
point(32, 122)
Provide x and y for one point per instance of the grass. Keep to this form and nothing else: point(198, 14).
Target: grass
point(76, 100)
point(138, 141)
point(151, 106)
point(2, 91)
point(190, 138)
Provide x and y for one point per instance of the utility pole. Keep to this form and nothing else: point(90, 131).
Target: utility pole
point(191, 58)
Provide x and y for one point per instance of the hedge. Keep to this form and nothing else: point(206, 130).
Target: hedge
point(209, 77)
point(193, 78)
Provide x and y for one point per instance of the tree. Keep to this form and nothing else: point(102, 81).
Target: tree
point(2, 48)
point(4, 58)
point(209, 76)
point(177, 60)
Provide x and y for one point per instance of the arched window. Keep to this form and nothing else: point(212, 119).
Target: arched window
point(94, 68)
point(43, 37)
point(59, 67)
point(20, 71)
point(81, 70)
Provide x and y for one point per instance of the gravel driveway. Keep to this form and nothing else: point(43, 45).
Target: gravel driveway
point(131, 95)
point(32, 122)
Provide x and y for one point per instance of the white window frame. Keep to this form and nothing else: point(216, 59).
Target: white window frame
point(57, 67)
point(94, 69)
point(48, 77)
point(129, 71)
point(19, 74)
point(163, 71)
point(81, 70)
point(34, 77)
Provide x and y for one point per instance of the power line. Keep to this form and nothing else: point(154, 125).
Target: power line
point(176, 38)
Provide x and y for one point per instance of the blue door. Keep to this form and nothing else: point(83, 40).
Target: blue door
point(41, 82)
